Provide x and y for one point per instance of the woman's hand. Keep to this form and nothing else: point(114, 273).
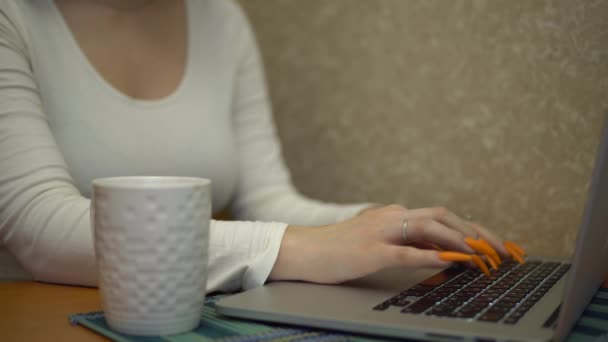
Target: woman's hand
point(372, 241)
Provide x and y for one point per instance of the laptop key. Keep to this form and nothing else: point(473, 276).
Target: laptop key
point(509, 300)
point(464, 314)
point(470, 311)
point(415, 309)
point(456, 302)
point(498, 309)
point(414, 293)
point(491, 316)
point(441, 311)
point(504, 305)
point(475, 306)
point(434, 297)
point(443, 291)
point(382, 306)
point(451, 306)
point(399, 302)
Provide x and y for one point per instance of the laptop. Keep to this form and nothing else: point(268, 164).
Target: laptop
point(539, 300)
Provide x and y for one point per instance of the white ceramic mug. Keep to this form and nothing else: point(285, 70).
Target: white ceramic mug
point(151, 242)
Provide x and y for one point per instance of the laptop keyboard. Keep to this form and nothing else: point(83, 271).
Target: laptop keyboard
point(504, 297)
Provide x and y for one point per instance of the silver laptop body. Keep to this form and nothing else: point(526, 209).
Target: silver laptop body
point(350, 307)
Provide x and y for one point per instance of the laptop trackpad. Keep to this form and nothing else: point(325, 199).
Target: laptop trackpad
point(307, 299)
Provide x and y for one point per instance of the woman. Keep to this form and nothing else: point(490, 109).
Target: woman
point(105, 88)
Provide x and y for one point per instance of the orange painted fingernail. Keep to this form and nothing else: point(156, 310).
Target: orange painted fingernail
point(492, 263)
point(514, 254)
point(494, 254)
point(454, 256)
point(476, 245)
point(482, 265)
point(516, 247)
point(483, 247)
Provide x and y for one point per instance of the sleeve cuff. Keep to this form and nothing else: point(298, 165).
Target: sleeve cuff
point(261, 266)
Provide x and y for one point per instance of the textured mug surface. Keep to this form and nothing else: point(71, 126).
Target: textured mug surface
point(151, 242)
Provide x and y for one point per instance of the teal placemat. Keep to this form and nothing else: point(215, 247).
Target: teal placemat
point(592, 326)
point(215, 327)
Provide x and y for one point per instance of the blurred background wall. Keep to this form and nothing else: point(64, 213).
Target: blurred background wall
point(491, 108)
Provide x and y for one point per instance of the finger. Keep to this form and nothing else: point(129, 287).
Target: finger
point(516, 247)
point(482, 265)
point(493, 252)
point(483, 247)
point(455, 256)
point(492, 263)
point(495, 255)
point(454, 221)
point(515, 255)
point(413, 257)
point(446, 217)
point(494, 241)
point(431, 231)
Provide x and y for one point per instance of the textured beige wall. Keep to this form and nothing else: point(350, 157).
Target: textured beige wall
point(492, 108)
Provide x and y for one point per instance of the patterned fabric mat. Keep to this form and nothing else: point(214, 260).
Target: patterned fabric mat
point(592, 326)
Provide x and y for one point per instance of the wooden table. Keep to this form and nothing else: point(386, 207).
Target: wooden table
point(31, 311)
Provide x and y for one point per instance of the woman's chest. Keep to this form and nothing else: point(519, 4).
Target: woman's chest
point(188, 135)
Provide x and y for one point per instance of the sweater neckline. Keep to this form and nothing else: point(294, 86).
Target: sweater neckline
point(108, 88)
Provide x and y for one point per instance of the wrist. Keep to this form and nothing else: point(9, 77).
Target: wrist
point(294, 254)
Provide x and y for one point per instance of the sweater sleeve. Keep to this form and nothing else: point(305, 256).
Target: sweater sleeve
point(265, 191)
point(44, 220)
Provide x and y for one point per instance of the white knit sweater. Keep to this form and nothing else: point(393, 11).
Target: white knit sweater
point(62, 125)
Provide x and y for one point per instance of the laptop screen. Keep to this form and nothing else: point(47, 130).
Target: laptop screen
point(590, 263)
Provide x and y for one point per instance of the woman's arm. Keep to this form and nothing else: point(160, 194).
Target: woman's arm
point(43, 219)
point(265, 191)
